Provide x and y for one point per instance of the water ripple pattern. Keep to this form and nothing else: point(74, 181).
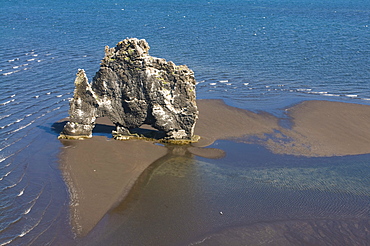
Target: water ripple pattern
point(29, 101)
point(258, 55)
point(34, 199)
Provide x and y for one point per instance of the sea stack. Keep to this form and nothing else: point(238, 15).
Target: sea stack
point(133, 88)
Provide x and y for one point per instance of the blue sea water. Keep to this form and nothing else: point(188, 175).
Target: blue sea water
point(257, 55)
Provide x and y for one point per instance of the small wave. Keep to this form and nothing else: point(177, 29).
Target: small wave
point(27, 211)
point(49, 111)
point(45, 230)
point(59, 95)
point(10, 223)
point(21, 192)
point(223, 81)
point(7, 242)
point(37, 197)
point(6, 74)
point(16, 71)
point(212, 83)
point(201, 241)
point(23, 65)
point(22, 127)
point(5, 166)
point(28, 230)
point(11, 123)
point(24, 232)
point(4, 158)
point(30, 53)
point(304, 90)
point(15, 59)
point(318, 92)
point(15, 184)
point(7, 102)
point(4, 116)
point(246, 83)
point(6, 175)
point(351, 96)
point(31, 59)
point(331, 95)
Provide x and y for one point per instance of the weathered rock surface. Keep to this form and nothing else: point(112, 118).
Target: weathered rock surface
point(133, 88)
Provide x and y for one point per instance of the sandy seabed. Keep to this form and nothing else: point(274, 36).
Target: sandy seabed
point(100, 172)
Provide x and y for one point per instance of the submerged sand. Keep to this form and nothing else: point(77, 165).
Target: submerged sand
point(323, 128)
point(318, 128)
point(100, 172)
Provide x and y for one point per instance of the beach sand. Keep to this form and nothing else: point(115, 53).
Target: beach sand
point(100, 172)
point(318, 128)
point(323, 128)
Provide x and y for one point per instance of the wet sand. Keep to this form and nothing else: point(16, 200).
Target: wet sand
point(319, 128)
point(323, 128)
point(100, 172)
point(220, 121)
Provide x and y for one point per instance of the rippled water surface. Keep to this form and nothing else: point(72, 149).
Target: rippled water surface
point(257, 55)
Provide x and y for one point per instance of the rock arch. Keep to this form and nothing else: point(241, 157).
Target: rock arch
point(133, 88)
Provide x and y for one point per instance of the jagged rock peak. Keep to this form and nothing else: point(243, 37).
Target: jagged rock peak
point(133, 88)
point(130, 48)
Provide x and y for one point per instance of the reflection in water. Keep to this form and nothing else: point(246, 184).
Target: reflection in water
point(33, 201)
point(251, 196)
point(100, 172)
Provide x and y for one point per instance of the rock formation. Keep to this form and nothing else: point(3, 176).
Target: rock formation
point(133, 88)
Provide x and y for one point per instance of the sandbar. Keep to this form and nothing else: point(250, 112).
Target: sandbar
point(325, 128)
point(101, 171)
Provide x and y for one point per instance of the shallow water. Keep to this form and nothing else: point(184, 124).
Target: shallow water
point(255, 55)
point(249, 196)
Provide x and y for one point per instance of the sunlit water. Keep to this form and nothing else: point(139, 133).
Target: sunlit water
point(257, 55)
